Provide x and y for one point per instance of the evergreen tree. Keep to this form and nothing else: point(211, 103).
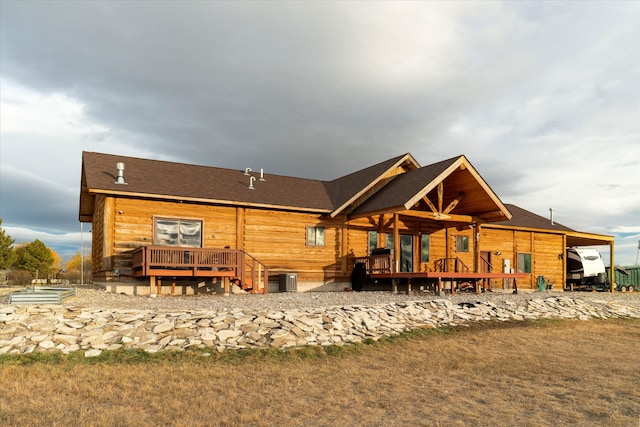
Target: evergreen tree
point(7, 252)
point(37, 257)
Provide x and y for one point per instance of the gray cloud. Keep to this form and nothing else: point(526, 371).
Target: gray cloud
point(542, 97)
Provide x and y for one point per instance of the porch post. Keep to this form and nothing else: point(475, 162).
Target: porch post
point(612, 268)
point(396, 244)
point(476, 247)
point(152, 284)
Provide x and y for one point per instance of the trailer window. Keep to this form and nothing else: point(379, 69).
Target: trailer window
point(524, 263)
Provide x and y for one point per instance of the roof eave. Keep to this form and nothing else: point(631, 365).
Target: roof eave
point(406, 158)
point(207, 201)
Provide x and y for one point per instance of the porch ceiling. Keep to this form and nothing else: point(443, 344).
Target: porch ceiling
point(576, 238)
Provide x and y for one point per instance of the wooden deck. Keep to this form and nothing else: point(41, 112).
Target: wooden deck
point(450, 270)
point(156, 262)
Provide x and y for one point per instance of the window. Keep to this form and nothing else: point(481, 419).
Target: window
point(462, 243)
point(424, 248)
point(315, 236)
point(524, 263)
point(373, 241)
point(389, 243)
point(177, 232)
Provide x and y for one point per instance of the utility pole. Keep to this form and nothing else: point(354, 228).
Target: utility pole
point(81, 255)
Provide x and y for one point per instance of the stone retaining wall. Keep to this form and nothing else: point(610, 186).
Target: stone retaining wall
point(26, 329)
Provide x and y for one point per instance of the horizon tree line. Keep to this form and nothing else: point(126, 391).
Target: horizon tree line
point(35, 260)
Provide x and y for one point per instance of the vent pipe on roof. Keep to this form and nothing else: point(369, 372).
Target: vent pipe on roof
point(247, 170)
point(251, 179)
point(120, 178)
point(551, 215)
point(262, 175)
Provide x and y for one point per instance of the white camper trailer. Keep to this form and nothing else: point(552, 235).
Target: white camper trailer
point(585, 270)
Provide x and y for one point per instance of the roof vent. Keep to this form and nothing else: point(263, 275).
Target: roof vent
point(252, 178)
point(551, 215)
point(120, 178)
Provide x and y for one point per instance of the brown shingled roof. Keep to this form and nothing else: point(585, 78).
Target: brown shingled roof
point(346, 189)
point(524, 218)
point(180, 181)
point(404, 187)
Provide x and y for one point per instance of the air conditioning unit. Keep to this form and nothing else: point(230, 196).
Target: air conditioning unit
point(288, 282)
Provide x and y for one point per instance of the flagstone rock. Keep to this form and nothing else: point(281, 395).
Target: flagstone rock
point(25, 329)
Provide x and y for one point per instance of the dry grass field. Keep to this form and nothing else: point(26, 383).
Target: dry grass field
point(545, 373)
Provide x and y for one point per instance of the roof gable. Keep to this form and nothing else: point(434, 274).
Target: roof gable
point(451, 186)
point(345, 190)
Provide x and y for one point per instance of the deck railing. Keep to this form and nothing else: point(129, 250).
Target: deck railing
point(376, 264)
point(158, 261)
point(451, 265)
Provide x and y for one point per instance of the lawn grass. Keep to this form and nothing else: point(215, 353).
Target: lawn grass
point(542, 373)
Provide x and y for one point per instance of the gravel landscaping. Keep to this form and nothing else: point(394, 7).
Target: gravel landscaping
point(95, 298)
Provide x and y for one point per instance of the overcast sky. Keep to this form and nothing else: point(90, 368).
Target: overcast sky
point(542, 97)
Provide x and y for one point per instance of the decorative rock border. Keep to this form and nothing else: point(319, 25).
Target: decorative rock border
point(26, 329)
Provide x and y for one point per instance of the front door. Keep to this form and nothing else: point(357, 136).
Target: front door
point(485, 262)
point(406, 253)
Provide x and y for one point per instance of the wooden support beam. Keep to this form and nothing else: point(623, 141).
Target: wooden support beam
point(453, 204)
point(152, 284)
point(437, 216)
point(430, 204)
point(440, 195)
point(612, 269)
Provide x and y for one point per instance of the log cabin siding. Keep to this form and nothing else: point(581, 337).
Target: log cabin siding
point(132, 225)
point(97, 237)
point(276, 238)
point(279, 239)
point(466, 257)
point(545, 250)
point(548, 257)
point(437, 249)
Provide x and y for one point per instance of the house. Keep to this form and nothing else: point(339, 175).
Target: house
point(165, 227)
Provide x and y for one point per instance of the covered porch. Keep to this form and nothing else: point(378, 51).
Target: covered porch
point(451, 270)
point(449, 198)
